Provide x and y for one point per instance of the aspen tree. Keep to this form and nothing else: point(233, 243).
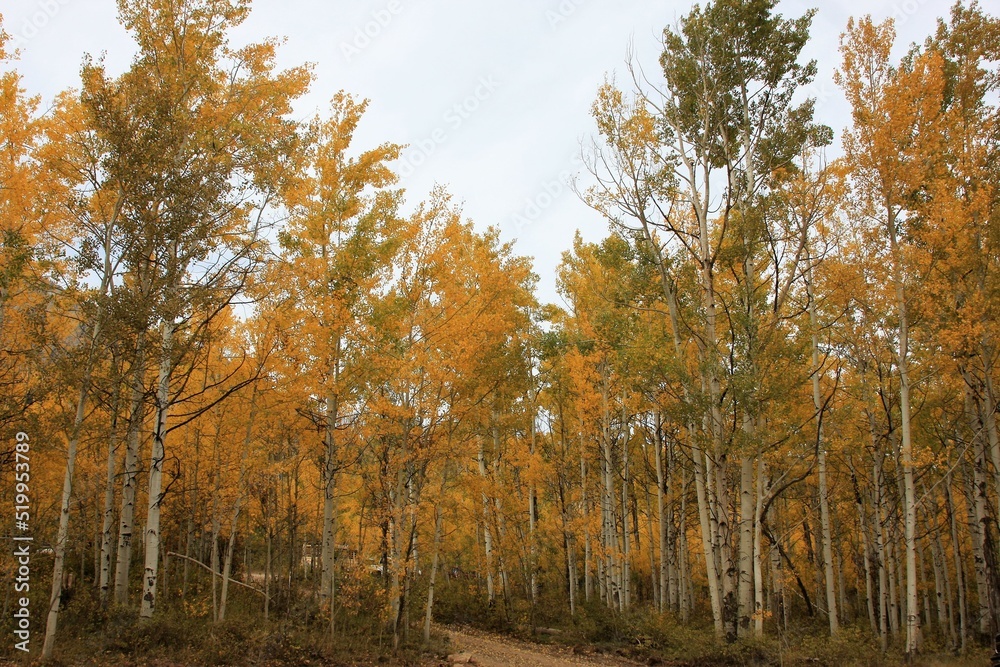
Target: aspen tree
point(895, 111)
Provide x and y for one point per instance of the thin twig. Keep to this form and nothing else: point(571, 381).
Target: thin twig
point(218, 574)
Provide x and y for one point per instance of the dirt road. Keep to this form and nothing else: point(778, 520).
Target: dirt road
point(494, 651)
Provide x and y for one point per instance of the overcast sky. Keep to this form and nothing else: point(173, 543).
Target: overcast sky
point(492, 97)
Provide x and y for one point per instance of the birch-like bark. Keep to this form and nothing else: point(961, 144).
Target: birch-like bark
point(626, 576)
point(487, 533)
point(216, 519)
point(747, 505)
point(402, 535)
point(758, 575)
point(665, 589)
point(880, 555)
point(108, 515)
point(612, 593)
point(942, 586)
point(684, 586)
point(52, 619)
point(126, 515)
point(989, 412)
point(91, 333)
point(824, 500)
point(588, 584)
point(429, 611)
point(827, 540)
point(227, 568)
point(698, 171)
point(673, 539)
point(659, 595)
point(668, 564)
point(152, 532)
point(977, 505)
point(909, 498)
point(192, 516)
point(896, 581)
point(328, 545)
point(569, 536)
point(963, 608)
point(921, 569)
point(706, 539)
point(498, 517)
point(728, 567)
point(778, 589)
point(267, 571)
point(978, 518)
point(865, 551)
point(533, 501)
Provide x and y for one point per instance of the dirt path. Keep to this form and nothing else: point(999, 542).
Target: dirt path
point(495, 651)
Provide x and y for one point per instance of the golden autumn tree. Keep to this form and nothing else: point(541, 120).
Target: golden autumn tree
point(179, 156)
point(338, 252)
point(764, 411)
point(889, 148)
point(22, 240)
point(460, 313)
point(690, 168)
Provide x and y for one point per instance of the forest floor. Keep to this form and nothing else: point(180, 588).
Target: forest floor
point(182, 642)
point(490, 650)
point(493, 650)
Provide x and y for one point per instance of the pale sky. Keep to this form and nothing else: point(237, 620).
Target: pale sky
point(492, 97)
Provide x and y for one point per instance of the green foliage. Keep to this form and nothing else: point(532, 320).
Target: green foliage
point(734, 49)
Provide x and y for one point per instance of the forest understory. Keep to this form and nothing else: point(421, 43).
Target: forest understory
point(259, 408)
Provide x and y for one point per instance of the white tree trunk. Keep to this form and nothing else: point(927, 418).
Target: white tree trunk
point(978, 516)
point(487, 533)
point(611, 591)
point(267, 572)
point(959, 569)
point(865, 552)
point(746, 558)
point(661, 515)
point(216, 521)
point(626, 573)
point(429, 613)
point(588, 584)
point(108, 514)
point(126, 515)
point(880, 553)
point(989, 412)
point(328, 545)
point(827, 539)
point(909, 497)
point(152, 542)
point(52, 619)
point(397, 553)
point(685, 600)
point(533, 500)
point(227, 568)
point(707, 541)
point(758, 554)
point(824, 501)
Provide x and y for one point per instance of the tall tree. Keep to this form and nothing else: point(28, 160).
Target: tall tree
point(724, 116)
point(339, 249)
point(889, 148)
